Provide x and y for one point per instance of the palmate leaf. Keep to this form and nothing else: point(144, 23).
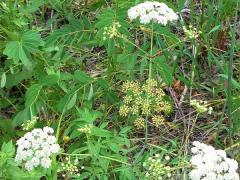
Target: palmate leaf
point(21, 49)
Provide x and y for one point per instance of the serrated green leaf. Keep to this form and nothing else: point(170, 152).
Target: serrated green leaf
point(101, 132)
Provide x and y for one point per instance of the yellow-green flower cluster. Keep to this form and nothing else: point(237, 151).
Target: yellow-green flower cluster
point(157, 120)
point(155, 169)
point(86, 129)
point(111, 31)
point(146, 101)
point(70, 167)
point(191, 33)
point(201, 106)
point(29, 124)
point(139, 123)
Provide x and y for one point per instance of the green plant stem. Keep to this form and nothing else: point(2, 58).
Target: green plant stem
point(230, 73)
point(125, 39)
point(232, 146)
point(59, 125)
point(149, 77)
point(100, 156)
point(54, 160)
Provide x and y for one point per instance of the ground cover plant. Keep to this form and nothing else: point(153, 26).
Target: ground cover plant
point(122, 89)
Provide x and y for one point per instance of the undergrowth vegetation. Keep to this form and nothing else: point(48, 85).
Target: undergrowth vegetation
point(122, 89)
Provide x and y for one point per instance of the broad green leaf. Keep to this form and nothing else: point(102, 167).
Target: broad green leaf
point(49, 80)
point(87, 115)
point(215, 29)
point(3, 80)
point(21, 117)
point(82, 77)
point(90, 94)
point(22, 48)
point(32, 94)
point(164, 70)
point(234, 82)
point(16, 78)
point(68, 101)
point(101, 132)
point(72, 102)
point(8, 148)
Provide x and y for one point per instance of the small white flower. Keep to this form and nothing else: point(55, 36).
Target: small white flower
point(233, 165)
point(48, 130)
point(194, 150)
point(221, 153)
point(35, 161)
point(195, 174)
point(46, 162)
point(29, 166)
point(54, 148)
point(51, 140)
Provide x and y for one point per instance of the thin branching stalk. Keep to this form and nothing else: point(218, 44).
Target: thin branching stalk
point(230, 74)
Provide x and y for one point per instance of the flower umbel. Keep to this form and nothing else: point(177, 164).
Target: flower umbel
point(156, 169)
point(146, 101)
point(211, 164)
point(36, 147)
point(152, 11)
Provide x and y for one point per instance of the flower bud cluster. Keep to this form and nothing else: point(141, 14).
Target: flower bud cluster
point(111, 31)
point(36, 147)
point(70, 167)
point(29, 124)
point(211, 164)
point(201, 106)
point(191, 33)
point(86, 129)
point(156, 169)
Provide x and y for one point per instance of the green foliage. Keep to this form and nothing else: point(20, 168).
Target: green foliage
point(64, 62)
point(21, 49)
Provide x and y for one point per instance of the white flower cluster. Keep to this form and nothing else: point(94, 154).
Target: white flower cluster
point(36, 147)
point(212, 164)
point(152, 11)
